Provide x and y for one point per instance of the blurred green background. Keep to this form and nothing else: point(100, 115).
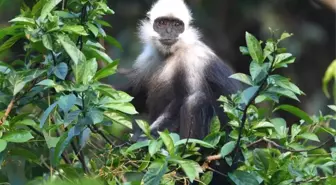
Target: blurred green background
point(223, 24)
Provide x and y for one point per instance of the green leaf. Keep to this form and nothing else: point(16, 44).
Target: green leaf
point(46, 113)
point(332, 107)
point(47, 82)
point(284, 83)
point(280, 127)
point(207, 177)
point(263, 124)
point(227, 148)
point(254, 48)
point(191, 168)
point(61, 70)
point(3, 145)
point(295, 130)
point(284, 36)
point(309, 136)
point(248, 93)
point(168, 141)
point(283, 92)
point(75, 54)
point(113, 41)
point(281, 60)
point(328, 76)
point(96, 115)
point(10, 42)
point(261, 159)
point(154, 147)
point(295, 111)
point(29, 122)
point(155, 172)
point(23, 20)
point(76, 29)
point(93, 29)
point(196, 141)
point(242, 77)
point(127, 108)
point(258, 72)
point(110, 69)
point(66, 102)
point(48, 7)
point(213, 138)
point(99, 55)
point(51, 141)
point(47, 41)
point(84, 72)
point(243, 178)
point(144, 126)
point(19, 85)
point(18, 136)
point(244, 50)
point(137, 145)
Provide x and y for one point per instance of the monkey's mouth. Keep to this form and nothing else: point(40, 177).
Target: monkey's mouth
point(168, 42)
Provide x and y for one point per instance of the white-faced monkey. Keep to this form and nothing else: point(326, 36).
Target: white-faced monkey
point(177, 78)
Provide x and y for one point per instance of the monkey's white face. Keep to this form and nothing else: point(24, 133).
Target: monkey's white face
point(168, 28)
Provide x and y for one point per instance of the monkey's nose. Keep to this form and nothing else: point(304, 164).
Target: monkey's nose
point(169, 30)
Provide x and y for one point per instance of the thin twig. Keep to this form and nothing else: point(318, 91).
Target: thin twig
point(296, 151)
point(8, 110)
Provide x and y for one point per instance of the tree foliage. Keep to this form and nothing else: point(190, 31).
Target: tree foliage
point(59, 122)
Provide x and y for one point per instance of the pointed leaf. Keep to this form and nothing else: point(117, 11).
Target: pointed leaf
point(295, 111)
point(46, 113)
point(168, 141)
point(155, 172)
point(254, 48)
point(61, 70)
point(48, 6)
point(227, 148)
point(18, 136)
point(242, 77)
point(3, 145)
point(110, 69)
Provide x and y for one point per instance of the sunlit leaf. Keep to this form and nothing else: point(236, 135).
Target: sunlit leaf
point(48, 6)
point(242, 77)
point(3, 145)
point(18, 136)
point(295, 111)
point(77, 29)
point(227, 148)
point(137, 145)
point(309, 136)
point(168, 141)
point(254, 48)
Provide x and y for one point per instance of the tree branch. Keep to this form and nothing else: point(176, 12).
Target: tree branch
point(8, 110)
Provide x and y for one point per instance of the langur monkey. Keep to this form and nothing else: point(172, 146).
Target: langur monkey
point(177, 79)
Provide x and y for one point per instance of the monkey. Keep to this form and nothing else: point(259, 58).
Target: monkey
point(177, 79)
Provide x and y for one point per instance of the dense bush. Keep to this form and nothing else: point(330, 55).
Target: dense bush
point(58, 122)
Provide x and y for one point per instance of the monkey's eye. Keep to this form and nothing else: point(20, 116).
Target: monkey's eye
point(177, 24)
point(162, 22)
